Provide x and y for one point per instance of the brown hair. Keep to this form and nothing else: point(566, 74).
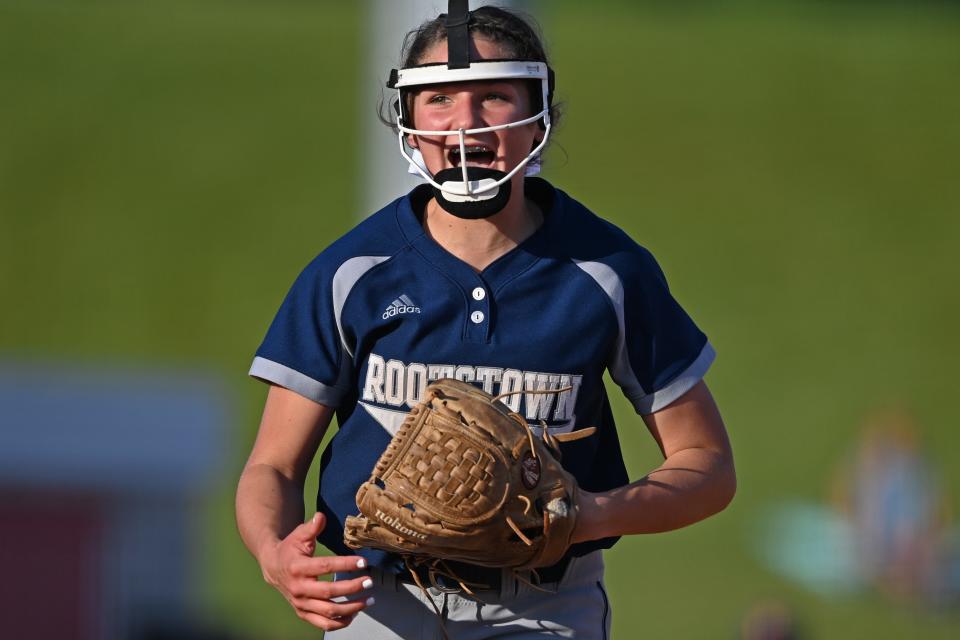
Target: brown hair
point(516, 34)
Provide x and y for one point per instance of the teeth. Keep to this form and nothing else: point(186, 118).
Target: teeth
point(474, 149)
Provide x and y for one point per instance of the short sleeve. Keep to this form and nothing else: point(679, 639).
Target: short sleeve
point(660, 353)
point(302, 350)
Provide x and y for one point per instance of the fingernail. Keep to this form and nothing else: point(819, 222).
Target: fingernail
point(361, 563)
point(371, 601)
point(314, 518)
point(366, 584)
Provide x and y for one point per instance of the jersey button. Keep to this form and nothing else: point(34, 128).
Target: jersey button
point(479, 293)
point(477, 317)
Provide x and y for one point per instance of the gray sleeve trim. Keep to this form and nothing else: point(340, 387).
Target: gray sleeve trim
point(343, 281)
point(282, 375)
point(693, 374)
point(619, 364)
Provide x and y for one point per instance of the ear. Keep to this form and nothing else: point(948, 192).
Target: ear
point(412, 141)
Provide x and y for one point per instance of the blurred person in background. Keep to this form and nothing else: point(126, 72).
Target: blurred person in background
point(898, 506)
point(887, 525)
point(770, 620)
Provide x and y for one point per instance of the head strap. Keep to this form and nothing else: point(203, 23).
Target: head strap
point(458, 34)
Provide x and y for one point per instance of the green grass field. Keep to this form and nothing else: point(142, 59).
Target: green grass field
point(166, 168)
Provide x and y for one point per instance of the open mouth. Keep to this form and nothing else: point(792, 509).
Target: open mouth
point(476, 156)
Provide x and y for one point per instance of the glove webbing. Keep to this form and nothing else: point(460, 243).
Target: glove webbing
point(451, 470)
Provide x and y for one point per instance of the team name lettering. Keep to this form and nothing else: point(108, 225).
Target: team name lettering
point(402, 385)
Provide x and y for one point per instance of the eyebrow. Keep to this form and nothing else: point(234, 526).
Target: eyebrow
point(445, 88)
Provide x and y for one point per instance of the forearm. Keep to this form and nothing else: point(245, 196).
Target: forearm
point(689, 486)
point(269, 506)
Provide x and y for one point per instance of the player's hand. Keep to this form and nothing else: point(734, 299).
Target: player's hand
point(290, 566)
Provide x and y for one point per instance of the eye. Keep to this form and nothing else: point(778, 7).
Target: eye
point(438, 98)
point(497, 96)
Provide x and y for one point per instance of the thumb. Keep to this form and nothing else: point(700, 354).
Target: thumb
point(317, 523)
point(305, 535)
point(309, 530)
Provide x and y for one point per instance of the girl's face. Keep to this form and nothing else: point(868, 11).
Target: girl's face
point(472, 105)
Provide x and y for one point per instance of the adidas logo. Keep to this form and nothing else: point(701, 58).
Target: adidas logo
point(401, 305)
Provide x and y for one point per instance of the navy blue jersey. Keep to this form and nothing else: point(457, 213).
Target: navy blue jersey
point(385, 309)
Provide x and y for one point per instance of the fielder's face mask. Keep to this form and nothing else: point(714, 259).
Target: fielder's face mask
point(470, 192)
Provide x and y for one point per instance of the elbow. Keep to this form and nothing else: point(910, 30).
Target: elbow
point(726, 485)
point(721, 483)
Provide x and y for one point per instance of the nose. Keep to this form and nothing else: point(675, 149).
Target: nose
point(467, 113)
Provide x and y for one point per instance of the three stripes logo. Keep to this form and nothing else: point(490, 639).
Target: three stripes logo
point(401, 305)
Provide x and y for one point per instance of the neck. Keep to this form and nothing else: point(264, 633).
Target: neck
point(481, 242)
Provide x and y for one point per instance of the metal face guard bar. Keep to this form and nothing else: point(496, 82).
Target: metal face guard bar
point(468, 188)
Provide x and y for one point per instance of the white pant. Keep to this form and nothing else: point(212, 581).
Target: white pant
point(579, 609)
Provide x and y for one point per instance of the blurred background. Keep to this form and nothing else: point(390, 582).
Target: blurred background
point(168, 167)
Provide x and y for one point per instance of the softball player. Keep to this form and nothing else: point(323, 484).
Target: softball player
point(491, 276)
